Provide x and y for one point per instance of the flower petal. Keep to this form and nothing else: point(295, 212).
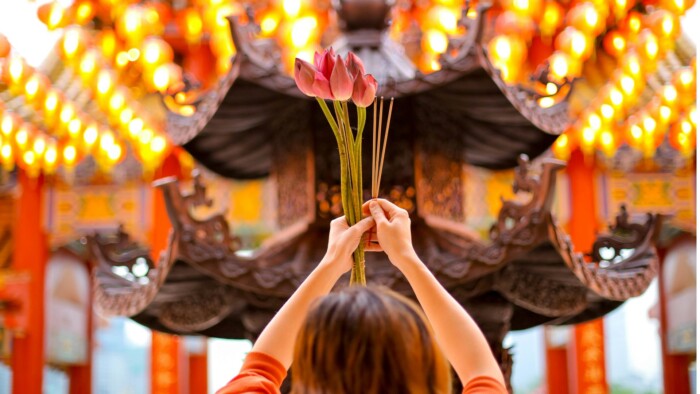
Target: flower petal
point(364, 90)
point(321, 87)
point(304, 74)
point(341, 81)
point(355, 65)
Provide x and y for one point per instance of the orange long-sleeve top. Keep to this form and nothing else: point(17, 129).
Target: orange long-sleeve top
point(263, 374)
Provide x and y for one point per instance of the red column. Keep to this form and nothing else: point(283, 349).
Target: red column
point(30, 255)
point(675, 366)
point(80, 376)
point(166, 350)
point(198, 373)
point(587, 350)
point(557, 372)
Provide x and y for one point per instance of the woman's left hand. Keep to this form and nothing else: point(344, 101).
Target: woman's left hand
point(343, 240)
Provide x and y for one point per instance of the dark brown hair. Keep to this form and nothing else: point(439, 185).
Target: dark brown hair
point(365, 340)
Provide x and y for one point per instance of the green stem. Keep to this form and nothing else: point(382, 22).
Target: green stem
point(329, 117)
point(345, 184)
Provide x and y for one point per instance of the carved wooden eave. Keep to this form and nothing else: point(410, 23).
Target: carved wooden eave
point(526, 274)
point(235, 123)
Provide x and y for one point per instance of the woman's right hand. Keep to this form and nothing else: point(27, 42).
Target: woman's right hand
point(393, 230)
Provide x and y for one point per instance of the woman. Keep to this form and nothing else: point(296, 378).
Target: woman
point(365, 340)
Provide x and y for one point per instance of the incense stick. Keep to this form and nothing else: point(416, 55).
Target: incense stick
point(374, 143)
point(386, 137)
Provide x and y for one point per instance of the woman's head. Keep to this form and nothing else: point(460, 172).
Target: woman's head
point(370, 341)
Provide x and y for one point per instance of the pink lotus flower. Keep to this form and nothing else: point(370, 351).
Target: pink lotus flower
point(341, 81)
point(364, 90)
point(354, 65)
point(331, 78)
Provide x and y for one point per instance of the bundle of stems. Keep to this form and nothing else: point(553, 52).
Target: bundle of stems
point(350, 148)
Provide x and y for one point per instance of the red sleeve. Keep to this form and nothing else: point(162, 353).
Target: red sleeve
point(260, 374)
point(484, 385)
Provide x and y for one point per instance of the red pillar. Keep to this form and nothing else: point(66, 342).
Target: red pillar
point(30, 255)
point(587, 349)
point(556, 358)
point(166, 350)
point(80, 376)
point(675, 366)
point(198, 382)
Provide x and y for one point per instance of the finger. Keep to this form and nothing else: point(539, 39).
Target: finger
point(364, 225)
point(377, 212)
point(339, 221)
point(390, 208)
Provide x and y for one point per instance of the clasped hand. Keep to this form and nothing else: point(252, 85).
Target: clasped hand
point(388, 229)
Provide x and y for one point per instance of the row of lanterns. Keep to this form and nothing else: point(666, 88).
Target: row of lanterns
point(634, 41)
point(133, 56)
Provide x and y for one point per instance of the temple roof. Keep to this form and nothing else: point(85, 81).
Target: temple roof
point(527, 273)
point(234, 123)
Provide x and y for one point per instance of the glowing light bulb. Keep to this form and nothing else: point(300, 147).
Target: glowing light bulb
point(69, 154)
point(29, 158)
point(437, 41)
point(67, 113)
point(105, 82)
point(50, 159)
point(39, 146)
point(616, 97)
point(607, 112)
point(75, 126)
point(7, 125)
point(302, 30)
point(291, 7)
point(90, 135)
point(135, 127)
point(158, 144)
point(72, 42)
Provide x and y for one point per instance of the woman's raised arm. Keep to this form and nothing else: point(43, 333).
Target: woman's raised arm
point(277, 339)
point(457, 334)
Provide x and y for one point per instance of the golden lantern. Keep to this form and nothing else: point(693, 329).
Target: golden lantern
point(510, 22)
point(606, 142)
point(664, 24)
point(107, 42)
point(84, 11)
point(530, 8)
point(50, 158)
point(90, 136)
point(52, 102)
point(615, 43)
point(8, 123)
point(35, 88)
point(70, 156)
point(434, 41)
point(563, 66)
point(507, 53)
point(678, 7)
point(154, 52)
point(551, 19)
point(53, 15)
point(88, 66)
point(73, 43)
point(561, 148)
point(7, 157)
point(190, 21)
point(167, 78)
point(575, 43)
point(586, 18)
point(269, 23)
